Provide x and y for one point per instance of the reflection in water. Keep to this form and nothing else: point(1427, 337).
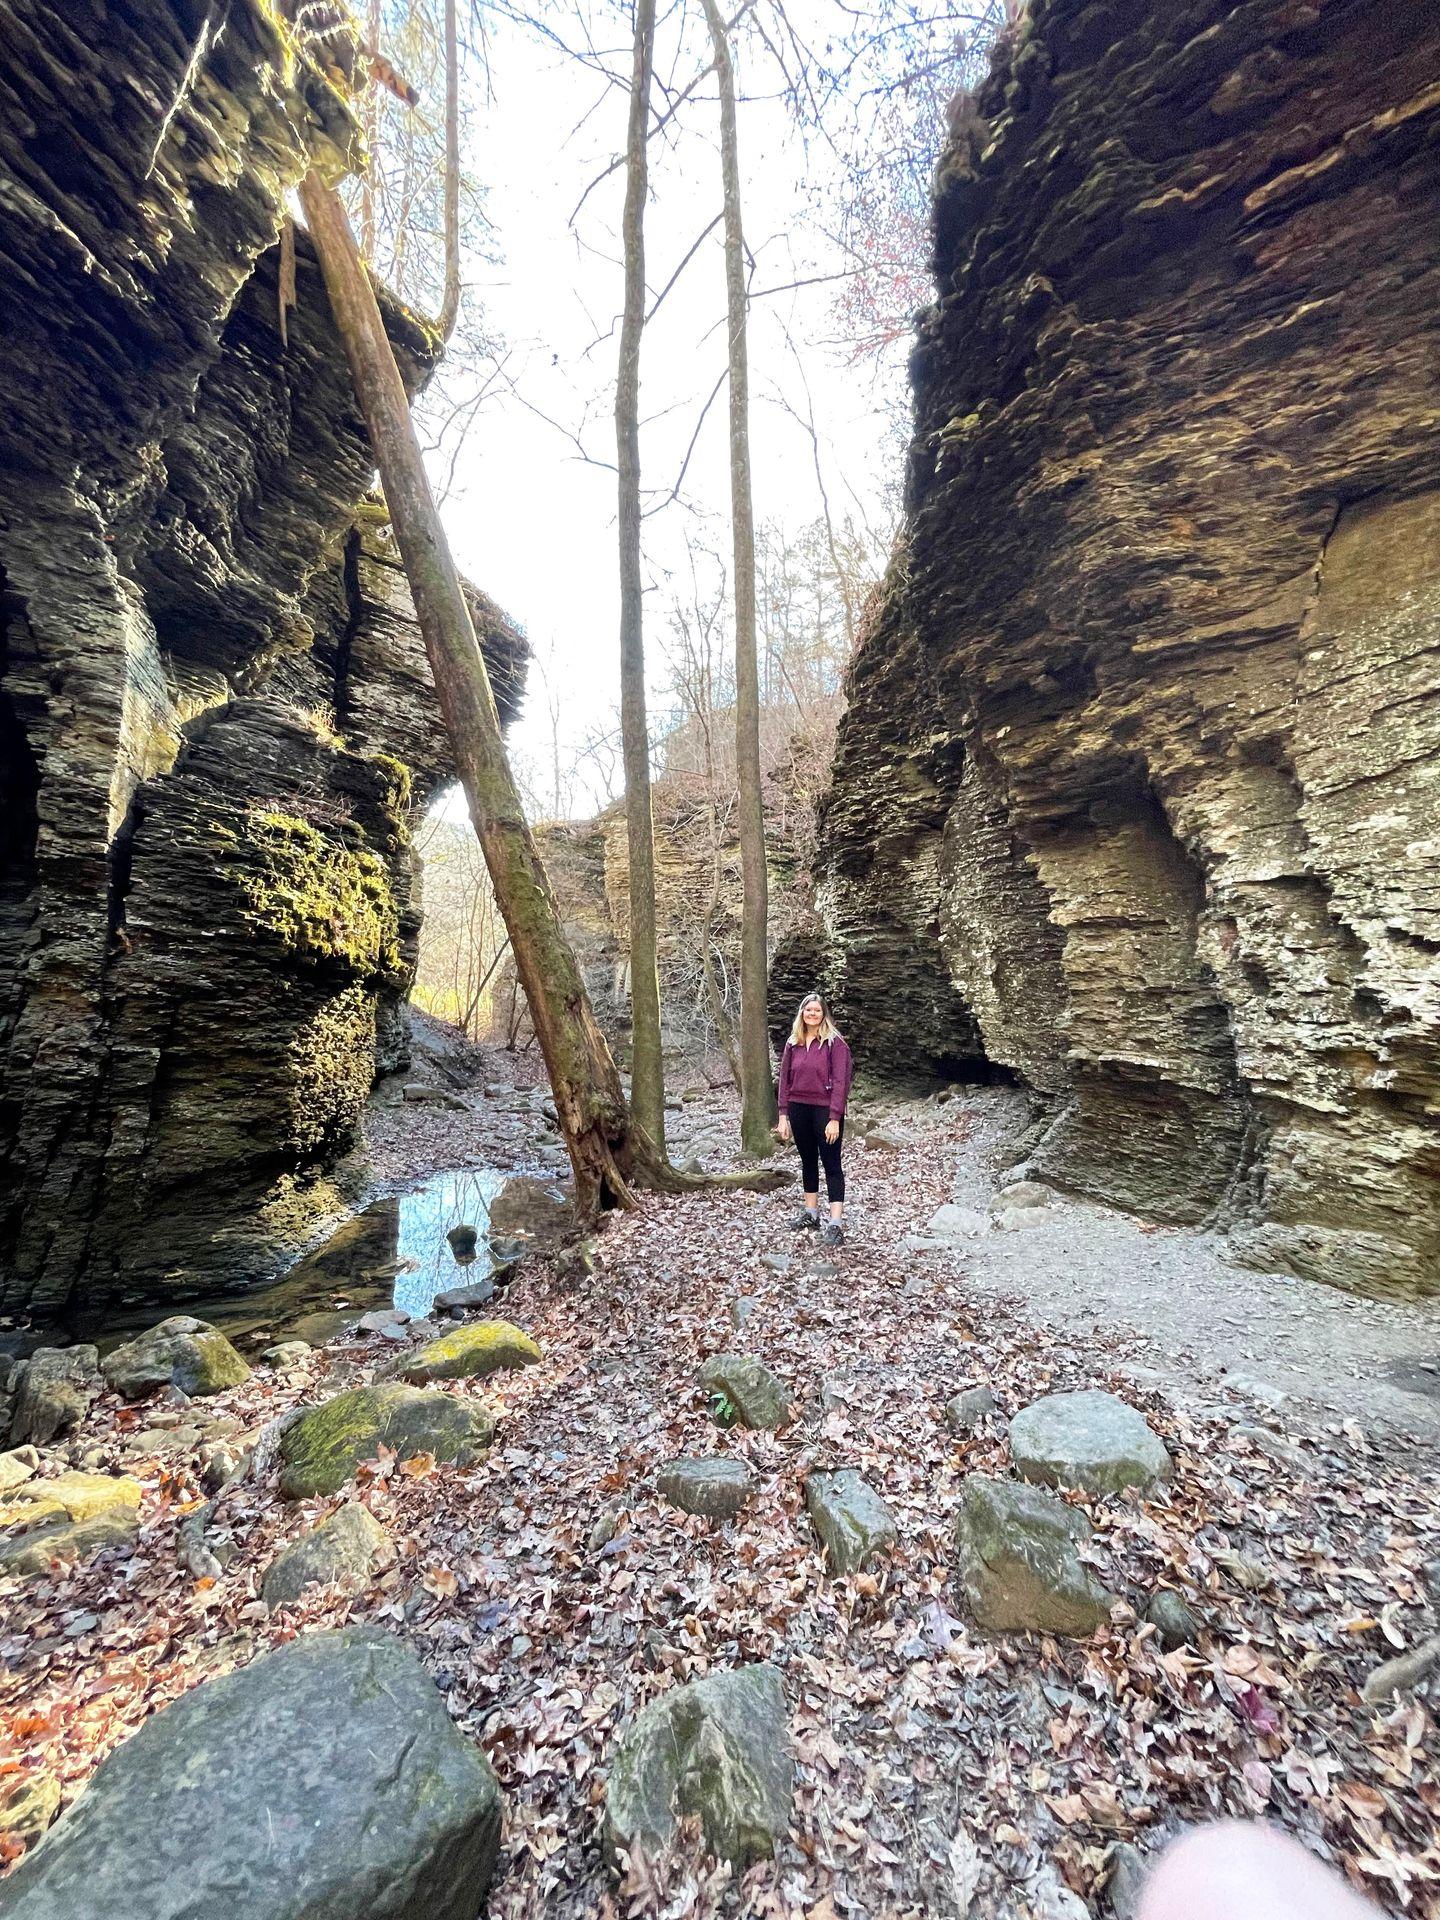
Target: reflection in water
point(394, 1252)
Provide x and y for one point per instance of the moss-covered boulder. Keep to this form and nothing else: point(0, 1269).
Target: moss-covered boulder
point(322, 1450)
point(484, 1347)
point(718, 1750)
point(747, 1389)
point(1018, 1562)
point(854, 1524)
point(1091, 1440)
point(181, 1352)
point(715, 1485)
point(343, 1551)
point(325, 1779)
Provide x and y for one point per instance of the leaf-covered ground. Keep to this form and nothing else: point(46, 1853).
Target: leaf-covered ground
point(551, 1593)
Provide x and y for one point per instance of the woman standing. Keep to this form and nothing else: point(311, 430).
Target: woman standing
point(815, 1074)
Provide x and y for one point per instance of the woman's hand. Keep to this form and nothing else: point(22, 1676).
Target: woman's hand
point(782, 1126)
point(832, 1131)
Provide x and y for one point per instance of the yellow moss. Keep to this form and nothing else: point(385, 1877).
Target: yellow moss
point(324, 899)
point(483, 1348)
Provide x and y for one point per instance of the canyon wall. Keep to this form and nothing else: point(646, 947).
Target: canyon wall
point(215, 714)
point(1138, 790)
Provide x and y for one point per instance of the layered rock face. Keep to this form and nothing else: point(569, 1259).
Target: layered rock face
point(1138, 793)
point(214, 719)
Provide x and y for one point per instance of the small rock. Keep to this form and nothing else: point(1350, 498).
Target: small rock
point(464, 1239)
point(286, 1355)
point(1089, 1440)
point(70, 1496)
point(882, 1141)
point(779, 1263)
point(417, 1094)
point(717, 1750)
point(216, 1463)
point(325, 1779)
point(1022, 1193)
point(464, 1299)
point(343, 1551)
point(379, 1319)
point(603, 1531)
point(1172, 1619)
point(1127, 1881)
point(853, 1522)
point(965, 1410)
point(741, 1309)
point(65, 1543)
point(53, 1393)
point(28, 1804)
point(181, 1352)
point(16, 1467)
point(326, 1445)
point(757, 1395)
point(1019, 1564)
point(716, 1485)
point(483, 1346)
point(951, 1224)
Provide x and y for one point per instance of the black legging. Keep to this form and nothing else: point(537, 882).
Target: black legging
point(808, 1125)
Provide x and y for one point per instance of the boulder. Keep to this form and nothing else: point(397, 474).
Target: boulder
point(1089, 1440)
point(320, 1782)
point(69, 1496)
point(1018, 1563)
point(484, 1346)
point(718, 1750)
point(716, 1485)
point(532, 1212)
point(951, 1224)
point(65, 1543)
point(322, 1450)
point(965, 1410)
point(853, 1522)
point(1022, 1193)
point(53, 1393)
point(757, 1395)
point(342, 1551)
point(286, 1355)
point(181, 1352)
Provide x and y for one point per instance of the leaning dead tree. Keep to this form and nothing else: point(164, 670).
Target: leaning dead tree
point(610, 1155)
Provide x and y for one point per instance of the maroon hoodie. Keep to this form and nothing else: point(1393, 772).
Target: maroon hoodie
point(816, 1076)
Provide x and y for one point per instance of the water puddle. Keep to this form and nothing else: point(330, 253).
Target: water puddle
point(395, 1252)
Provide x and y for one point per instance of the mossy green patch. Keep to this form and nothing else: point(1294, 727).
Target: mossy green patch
point(485, 1347)
point(326, 1445)
point(330, 902)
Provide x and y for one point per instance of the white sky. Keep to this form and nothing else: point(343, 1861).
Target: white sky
point(533, 523)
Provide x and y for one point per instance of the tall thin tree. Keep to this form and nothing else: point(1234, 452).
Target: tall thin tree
point(757, 1080)
point(450, 298)
point(647, 1066)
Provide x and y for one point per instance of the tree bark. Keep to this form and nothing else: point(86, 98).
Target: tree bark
point(450, 300)
point(757, 1080)
point(647, 1072)
point(608, 1155)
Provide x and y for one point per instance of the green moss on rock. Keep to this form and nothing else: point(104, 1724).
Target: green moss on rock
point(486, 1347)
point(328, 901)
point(326, 1445)
point(180, 1352)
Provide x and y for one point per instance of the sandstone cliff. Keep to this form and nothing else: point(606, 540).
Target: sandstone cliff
point(1138, 792)
point(214, 712)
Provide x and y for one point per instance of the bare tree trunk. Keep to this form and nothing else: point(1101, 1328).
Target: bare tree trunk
point(647, 1072)
point(605, 1151)
point(450, 302)
point(757, 1081)
point(371, 123)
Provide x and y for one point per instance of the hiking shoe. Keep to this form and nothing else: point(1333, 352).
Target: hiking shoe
point(804, 1219)
point(833, 1234)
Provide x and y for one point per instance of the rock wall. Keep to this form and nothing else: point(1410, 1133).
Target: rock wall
point(207, 915)
point(1138, 790)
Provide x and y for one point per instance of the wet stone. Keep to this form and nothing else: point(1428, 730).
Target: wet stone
point(716, 1485)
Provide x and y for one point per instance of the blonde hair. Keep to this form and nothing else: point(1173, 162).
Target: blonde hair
point(828, 1028)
